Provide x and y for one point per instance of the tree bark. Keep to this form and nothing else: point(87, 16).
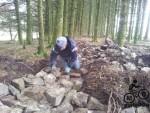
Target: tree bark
point(16, 2)
point(29, 23)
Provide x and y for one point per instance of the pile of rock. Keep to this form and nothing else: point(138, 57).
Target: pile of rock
point(47, 93)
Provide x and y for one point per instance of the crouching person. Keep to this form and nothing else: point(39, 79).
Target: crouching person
point(66, 48)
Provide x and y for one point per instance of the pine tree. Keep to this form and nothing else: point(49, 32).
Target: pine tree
point(16, 2)
point(122, 23)
point(29, 22)
point(41, 28)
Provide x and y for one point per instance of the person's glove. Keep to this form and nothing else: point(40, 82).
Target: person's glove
point(54, 68)
point(67, 69)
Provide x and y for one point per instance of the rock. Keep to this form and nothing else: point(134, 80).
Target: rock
point(50, 79)
point(67, 77)
point(83, 71)
point(96, 111)
point(142, 110)
point(13, 90)
point(18, 83)
point(146, 69)
point(80, 99)
point(130, 66)
point(36, 92)
point(41, 74)
point(4, 109)
point(75, 75)
point(29, 104)
point(34, 81)
point(16, 110)
point(66, 83)
point(94, 104)
point(133, 55)
point(77, 83)
point(47, 69)
point(80, 110)
point(57, 72)
point(55, 96)
point(64, 108)
point(45, 107)
point(3, 90)
point(140, 62)
point(69, 96)
point(9, 100)
point(113, 52)
point(129, 110)
point(30, 76)
point(126, 50)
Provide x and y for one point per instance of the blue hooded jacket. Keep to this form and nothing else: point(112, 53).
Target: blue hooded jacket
point(67, 54)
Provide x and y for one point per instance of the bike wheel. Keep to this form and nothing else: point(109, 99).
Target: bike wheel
point(129, 98)
point(143, 94)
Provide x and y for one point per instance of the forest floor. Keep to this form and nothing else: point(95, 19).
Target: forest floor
point(103, 71)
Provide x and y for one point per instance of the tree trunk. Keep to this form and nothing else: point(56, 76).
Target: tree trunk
point(137, 27)
point(131, 21)
point(18, 21)
point(71, 18)
point(147, 29)
point(10, 31)
point(122, 23)
point(58, 27)
point(41, 27)
point(90, 16)
point(29, 22)
point(81, 18)
point(65, 17)
point(143, 17)
point(96, 20)
point(108, 16)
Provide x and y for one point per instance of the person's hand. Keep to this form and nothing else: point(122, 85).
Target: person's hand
point(67, 69)
point(54, 68)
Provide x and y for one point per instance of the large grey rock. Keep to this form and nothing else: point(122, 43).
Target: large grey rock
point(4, 109)
point(78, 82)
point(41, 74)
point(69, 96)
point(13, 90)
point(80, 110)
point(96, 111)
point(94, 104)
point(129, 110)
point(44, 108)
point(9, 101)
point(64, 108)
point(66, 83)
point(16, 110)
point(130, 66)
point(34, 81)
point(49, 79)
point(146, 69)
point(80, 99)
point(35, 92)
point(3, 89)
point(18, 83)
point(55, 96)
point(142, 110)
point(28, 103)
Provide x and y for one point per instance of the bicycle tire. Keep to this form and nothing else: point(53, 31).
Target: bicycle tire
point(126, 96)
point(140, 93)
